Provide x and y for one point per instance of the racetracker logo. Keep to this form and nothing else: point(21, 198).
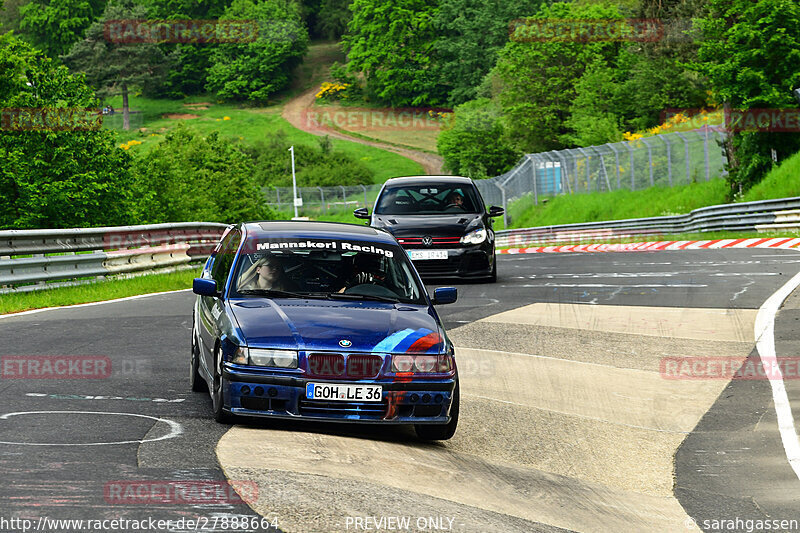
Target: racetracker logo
point(775, 120)
point(366, 120)
point(585, 31)
point(55, 367)
point(136, 31)
point(176, 238)
point(50, 119)
point(180, 492)
point(696, 368)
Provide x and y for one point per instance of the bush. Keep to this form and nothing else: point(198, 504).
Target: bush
point(188, 177)
point(473, 141)
point(314, 166)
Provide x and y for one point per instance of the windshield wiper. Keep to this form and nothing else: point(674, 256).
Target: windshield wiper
point(275, 293)
point(343, 296)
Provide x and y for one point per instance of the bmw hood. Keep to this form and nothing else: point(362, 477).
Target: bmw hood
point(362, 326)
point(455, 225)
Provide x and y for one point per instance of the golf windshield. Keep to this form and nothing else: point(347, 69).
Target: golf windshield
point(332, 269)
point(427, 200)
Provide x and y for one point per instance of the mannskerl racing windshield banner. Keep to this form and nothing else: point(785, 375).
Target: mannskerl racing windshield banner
point(340, 246)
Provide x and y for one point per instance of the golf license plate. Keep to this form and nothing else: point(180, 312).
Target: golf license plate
point(340, 392)
point(418, 255)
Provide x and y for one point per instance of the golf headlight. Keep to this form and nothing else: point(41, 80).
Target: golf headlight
point(273, 358)
point(474, 237)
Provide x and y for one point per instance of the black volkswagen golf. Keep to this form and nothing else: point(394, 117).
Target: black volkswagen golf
point(442, 222)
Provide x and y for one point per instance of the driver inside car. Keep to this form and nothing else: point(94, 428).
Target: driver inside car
point(454, 199)
point(266, 273)
point(367, 268)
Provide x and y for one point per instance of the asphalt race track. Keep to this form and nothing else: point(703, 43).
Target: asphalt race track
point(569, 421)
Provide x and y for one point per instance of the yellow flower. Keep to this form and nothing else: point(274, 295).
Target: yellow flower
point(226, 118)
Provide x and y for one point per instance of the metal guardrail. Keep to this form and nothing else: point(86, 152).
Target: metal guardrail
point(45, 258)
point(760, 216)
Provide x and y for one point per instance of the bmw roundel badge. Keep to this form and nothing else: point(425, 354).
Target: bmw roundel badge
point(344, 343)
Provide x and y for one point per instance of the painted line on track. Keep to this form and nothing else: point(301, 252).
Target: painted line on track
point(659, 246)
point(32, 311)
point(175, 429)
point(765, 342)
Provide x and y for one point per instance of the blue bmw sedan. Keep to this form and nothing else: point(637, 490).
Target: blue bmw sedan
point(322, 321)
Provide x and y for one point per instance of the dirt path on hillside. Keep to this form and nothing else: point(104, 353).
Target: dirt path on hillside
point(297, 110)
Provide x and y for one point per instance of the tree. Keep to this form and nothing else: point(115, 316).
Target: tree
point(534, 80)
point(10, 17)
point(255, 70)
point(473, 142)
point(114, 67)
point(188, 177)
point(470, 34)
point(190, 61)
point(594, 115)
point(333, 19)
point(750, 54)
point(391, 43)
point(55, 26)
point(51, 179)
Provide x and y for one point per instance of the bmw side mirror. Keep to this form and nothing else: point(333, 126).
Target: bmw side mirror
point(361, 212)
point(205, 287)
point(495, 211)
point(445, 295)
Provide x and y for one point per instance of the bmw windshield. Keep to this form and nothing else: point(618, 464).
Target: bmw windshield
point(331, 269)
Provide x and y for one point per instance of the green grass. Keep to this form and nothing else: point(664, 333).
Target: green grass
point(97, 292)
point(782, 182)
point(245, 125)
point(616, 205)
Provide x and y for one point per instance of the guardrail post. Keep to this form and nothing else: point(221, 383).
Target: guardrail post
point(344, 196)
point(366, 203)
point(649, 160)
point(278, 195)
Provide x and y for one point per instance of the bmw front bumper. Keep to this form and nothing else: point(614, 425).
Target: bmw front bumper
point(403, 402)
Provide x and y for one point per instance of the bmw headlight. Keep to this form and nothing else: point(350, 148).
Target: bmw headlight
point(273, 358)
point(474, 237)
